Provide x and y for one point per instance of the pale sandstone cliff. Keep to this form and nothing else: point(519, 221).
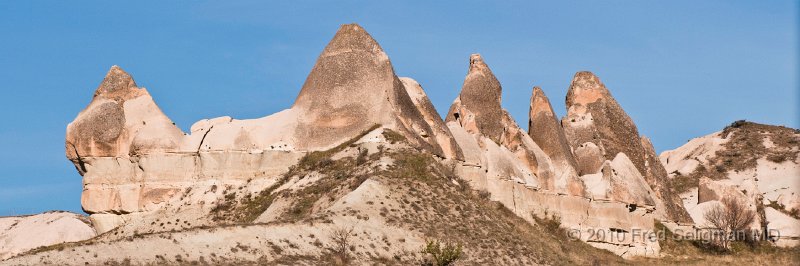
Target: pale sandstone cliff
point(324, 163)
point(505, 161)
point(596, 124)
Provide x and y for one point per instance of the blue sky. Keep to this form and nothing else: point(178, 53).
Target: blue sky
point(680, 69)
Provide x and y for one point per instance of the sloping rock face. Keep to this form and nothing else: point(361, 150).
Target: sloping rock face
point(753, 162)
point(353, 87)
point(23, 233)
point(477, 110)
point(546, 131)
point(595, 117)
point(439, 131)
point(477, 107)
point(541, 181)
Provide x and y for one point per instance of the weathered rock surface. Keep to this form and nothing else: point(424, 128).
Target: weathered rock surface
point(439, 131)
point(371, 199)
point(594, 116)
point(324, 160)
point(353, 87)
point(783, 227)
point(477, 109)
point(23, 233)
point(134, 159)
point(531, 181)
point(752, 162)
point(121, 119)
point(716, 191)
point(619, 181)
point(546, 131)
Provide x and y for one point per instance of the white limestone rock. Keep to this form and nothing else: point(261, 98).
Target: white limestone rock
point(22, 233)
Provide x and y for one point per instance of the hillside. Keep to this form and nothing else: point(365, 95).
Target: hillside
point(755, 162)
point(393, 198)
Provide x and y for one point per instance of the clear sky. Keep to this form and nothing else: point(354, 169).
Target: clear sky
point(681, 69)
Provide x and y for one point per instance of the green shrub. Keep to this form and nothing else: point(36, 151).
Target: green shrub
point(442, 255)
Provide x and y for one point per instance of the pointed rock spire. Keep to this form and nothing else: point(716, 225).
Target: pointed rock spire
point(351, 38)
point(117, 84)
point(350, 62)
point(594, 118)
point(546, 131)
point(439, 130)
point(586, 88)
point(478, 108)
point(108, 126)
point(353, 87)
point(346, 91)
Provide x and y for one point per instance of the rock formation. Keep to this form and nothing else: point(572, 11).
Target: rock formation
point(757, 164)
point(477, 110)
point(595, 123)
point(507, 163)
point(353, 87)
point(345, 150)
point(19, 234)
point(546, 131)
point(134, 159)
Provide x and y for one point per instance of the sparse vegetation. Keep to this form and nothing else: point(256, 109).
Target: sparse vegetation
point(411, 164)
point(248, 208)
point(489, 232)
point(341, 238)
point(426, 197)
point(794, 213)
point(730, 219)
point(392, 136)
point(441, 255)
point(743, 150)
point(683, 183)
point(362, 156)
point(318, 159)
point(677, 251)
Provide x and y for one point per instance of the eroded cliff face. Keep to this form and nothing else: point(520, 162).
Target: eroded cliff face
point(134, 158)
point(594, 173)
point(546, 131)
point(353, 87)
point(510, 164)
point(596, 124)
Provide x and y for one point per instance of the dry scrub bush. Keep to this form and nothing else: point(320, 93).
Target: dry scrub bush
point(730, 219)
point(341, 239)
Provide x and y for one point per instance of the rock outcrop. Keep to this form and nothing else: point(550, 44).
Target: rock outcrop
point(754, 163)
point(19, 234)
point(595, 123)
point(134, 159)
point(354, 123)
point(546, 131)
point(353, 87)
point(509, 164)
point(477, 110)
